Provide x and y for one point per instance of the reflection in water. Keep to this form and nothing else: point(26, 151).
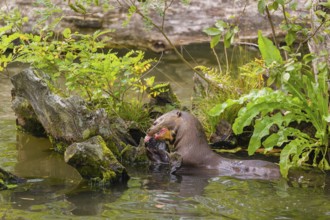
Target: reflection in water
point(89, 202)
point(186, 185)
point(37, 160)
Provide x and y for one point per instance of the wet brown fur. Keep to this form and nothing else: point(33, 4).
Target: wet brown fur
point(191, 144)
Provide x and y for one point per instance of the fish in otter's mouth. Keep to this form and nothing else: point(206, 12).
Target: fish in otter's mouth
point(157, 149)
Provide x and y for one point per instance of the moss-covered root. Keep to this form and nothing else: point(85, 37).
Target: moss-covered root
point(95, 162)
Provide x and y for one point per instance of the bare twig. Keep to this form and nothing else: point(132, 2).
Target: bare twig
point(164, 11)
point(199, 73)
point(311, 36)
point(272, 25)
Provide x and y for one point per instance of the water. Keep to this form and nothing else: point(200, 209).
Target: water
point(55, 190)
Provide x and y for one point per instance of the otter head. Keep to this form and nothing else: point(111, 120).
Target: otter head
point(164, 127)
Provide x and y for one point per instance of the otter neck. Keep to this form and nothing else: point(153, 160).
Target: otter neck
point(194, 149)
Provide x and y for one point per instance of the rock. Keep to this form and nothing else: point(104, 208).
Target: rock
point(135, 155)
point(162, 94)
point(66, 120)
point(26, 119)
point(201, 87)
point(223, 137)
point(162, 99)
point(182, 30)
point(95, 162)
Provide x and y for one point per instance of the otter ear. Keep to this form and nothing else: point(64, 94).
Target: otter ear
point(178, 113)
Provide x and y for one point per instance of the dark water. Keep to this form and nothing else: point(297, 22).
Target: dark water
point(55, 190)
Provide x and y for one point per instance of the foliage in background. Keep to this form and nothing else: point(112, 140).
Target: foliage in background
point(301, 96)
point(225, 32)
point(97, 74)
point(150, 11)
point(231, 87)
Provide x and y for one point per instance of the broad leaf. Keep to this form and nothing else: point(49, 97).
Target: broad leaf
point(285, 158)
point(261, 129)
point(214, 41)
point(269, 52)
point(261, 6)
point(271, 141)
point(212, 31)
point(290, 38)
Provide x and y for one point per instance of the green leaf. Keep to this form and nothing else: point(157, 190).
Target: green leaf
point(271, 141)
point(99, 33)
point(4, 29)
point(229, 38)
point(220, 108)
point(281, 2)
point(211, 31)
point(325, 4)
point(308, 58)
point(269, 52)
point(273, 6)
point(247, 114)
point(66, 33)
point(290, 38)
point(285, 158)
point(221, 25)
point(261, 129)
point(261, 6)
point(286, 48)
point(214, 41)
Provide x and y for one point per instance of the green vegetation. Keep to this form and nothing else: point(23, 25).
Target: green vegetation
point(282, 90)
point(89, 69)
point(225, 32)
point(301, 97)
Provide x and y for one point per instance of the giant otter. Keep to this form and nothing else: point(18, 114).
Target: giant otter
point(186, 133)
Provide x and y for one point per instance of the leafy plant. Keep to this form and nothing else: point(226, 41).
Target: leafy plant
point(303, 97)
point(98, 74)
point(231, 87)
point(225, 32)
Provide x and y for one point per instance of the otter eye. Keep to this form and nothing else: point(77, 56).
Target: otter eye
point(155, 123)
